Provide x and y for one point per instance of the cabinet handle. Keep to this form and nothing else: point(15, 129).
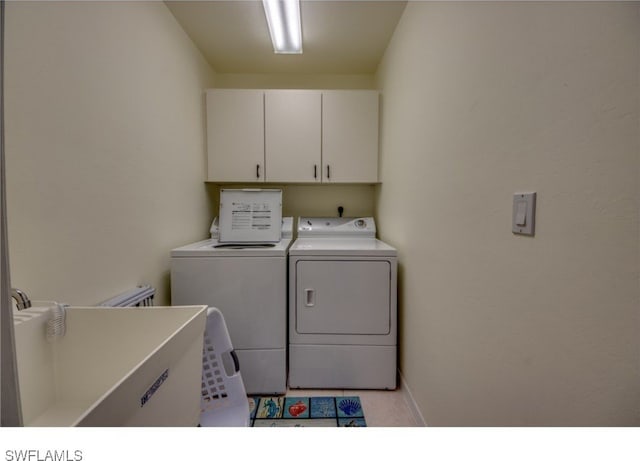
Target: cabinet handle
point(315, 171)
point(258, 171)
point(328, 172)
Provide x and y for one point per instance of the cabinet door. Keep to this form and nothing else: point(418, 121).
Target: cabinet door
point(293, 135)
point(350, 136)
point(235, 135)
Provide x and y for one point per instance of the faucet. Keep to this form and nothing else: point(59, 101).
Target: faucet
point(22, 300)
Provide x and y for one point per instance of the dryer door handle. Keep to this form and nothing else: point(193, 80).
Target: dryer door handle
point(309, 297)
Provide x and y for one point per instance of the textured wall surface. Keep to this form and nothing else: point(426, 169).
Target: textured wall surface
point(482, 100)
point(105, 146)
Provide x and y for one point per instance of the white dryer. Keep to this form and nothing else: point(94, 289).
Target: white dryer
point(248, 284)
point(342, 306)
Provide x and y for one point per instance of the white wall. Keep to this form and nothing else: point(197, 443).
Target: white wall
point(482, 100)
point(317, 199)
point(292, 80)
point(105, 146)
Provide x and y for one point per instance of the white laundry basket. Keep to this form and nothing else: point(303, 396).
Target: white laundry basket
point(224, 399)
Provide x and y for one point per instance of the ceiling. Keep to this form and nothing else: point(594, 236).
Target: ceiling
point(339, 36)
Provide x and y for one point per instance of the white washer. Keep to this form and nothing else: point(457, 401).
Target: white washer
point(248, 284)
point(342, 306)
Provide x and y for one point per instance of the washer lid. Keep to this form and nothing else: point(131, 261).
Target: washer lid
point(336, 227)
point(250, 215)
point(215, 248)
point(341, 247)
point(287, 228)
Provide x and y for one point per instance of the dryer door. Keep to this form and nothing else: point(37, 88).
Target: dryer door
point(343, 297)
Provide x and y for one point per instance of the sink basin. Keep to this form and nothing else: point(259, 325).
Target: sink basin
point(137, 366)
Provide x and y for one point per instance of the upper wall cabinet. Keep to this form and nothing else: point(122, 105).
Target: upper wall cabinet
point(349, 136)
point(235, 135)
point(293, 135)
point(298, 136)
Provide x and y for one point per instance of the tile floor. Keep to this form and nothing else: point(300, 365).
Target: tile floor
point(381, 408)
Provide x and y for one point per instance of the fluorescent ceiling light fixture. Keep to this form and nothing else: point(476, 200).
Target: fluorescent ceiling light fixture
point(283, 17)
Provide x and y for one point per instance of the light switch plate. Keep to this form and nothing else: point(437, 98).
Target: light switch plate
point(523, 219)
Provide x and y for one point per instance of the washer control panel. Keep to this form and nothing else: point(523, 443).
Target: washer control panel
point(336, 227)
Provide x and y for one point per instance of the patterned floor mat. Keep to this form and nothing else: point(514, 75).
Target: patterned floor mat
point(306, 412)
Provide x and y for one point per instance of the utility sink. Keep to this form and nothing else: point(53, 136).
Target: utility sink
point(133, 366)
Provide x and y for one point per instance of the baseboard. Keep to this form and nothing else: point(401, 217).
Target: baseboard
point(411, 403)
